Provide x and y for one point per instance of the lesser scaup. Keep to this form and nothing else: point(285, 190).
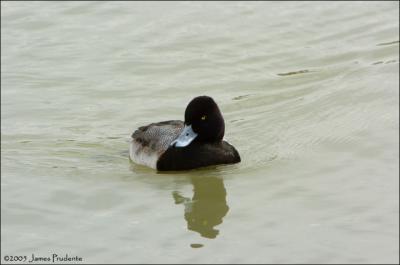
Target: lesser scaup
point(178, 145)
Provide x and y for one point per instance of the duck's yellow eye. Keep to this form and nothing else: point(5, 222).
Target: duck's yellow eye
point(203, 117)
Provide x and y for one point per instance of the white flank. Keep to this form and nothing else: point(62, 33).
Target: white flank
point(142, 155)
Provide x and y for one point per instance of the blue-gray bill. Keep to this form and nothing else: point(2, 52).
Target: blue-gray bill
point(185, 138)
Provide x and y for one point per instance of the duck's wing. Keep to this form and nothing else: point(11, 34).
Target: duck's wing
point(156, 137)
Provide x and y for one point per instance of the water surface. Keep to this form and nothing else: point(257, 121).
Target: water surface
point(310, 96)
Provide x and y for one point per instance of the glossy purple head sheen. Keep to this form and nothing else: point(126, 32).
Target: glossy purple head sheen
point(203, 114)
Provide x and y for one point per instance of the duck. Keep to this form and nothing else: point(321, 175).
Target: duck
point(175, 145)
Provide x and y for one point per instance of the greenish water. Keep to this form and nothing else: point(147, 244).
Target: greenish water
point(310, 96)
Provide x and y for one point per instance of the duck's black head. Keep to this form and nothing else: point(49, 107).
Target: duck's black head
point(203, 122)
point(203, 114)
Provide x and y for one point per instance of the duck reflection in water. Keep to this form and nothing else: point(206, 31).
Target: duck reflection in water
point(208, 206)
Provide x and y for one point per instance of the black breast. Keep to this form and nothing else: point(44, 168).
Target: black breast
point(197, 155)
